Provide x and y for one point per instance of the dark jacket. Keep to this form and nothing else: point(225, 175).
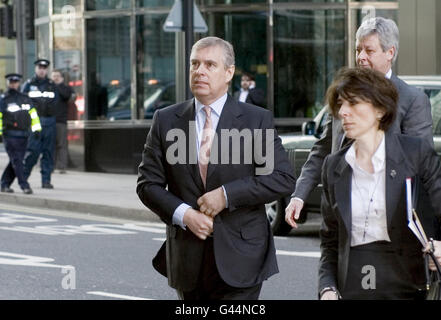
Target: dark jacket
point(15, 109)
point(65, 93)
point(256, 96)
point(43, 94)
point(243, 243)
point(405, 157)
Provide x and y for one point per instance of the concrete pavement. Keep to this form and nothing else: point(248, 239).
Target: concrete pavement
point(105, 194)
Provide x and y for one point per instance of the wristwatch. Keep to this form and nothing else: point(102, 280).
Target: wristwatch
point(333, 289)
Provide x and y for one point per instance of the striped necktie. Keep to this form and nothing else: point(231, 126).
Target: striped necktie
point(207, 139)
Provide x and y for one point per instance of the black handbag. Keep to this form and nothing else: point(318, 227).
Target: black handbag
point(433, 278)
point(431, 225)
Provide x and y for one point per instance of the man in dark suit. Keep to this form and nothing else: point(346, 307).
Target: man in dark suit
point(248, 92)
point(219, 243)
point(376, 48)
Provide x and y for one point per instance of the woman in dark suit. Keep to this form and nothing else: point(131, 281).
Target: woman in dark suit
point(367, 249)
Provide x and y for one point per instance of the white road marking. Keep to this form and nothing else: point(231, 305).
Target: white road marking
point(11, 218)
point(159, 239)
point(117, 296)
point(15, 259)
point(309, 254)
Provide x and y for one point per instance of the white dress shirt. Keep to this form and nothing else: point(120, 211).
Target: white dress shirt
point(216, 111)
point(244, 93)
point(368, 199)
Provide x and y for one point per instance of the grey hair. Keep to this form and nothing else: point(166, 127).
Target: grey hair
point(387, 32)
point(215, 41)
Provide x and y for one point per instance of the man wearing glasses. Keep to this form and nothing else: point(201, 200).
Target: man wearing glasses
point(43, 94)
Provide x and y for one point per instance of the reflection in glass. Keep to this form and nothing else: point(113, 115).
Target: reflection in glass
point(309, 47)
point(155, 65)
point(67, 56)
point(43, 41)
point(247, 33)
point(107, 4)
point(108, 65)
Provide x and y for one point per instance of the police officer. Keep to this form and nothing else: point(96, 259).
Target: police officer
point(43, 93)
point(18, 118)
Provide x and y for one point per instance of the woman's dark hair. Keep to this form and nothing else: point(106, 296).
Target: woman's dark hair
point(367, 85)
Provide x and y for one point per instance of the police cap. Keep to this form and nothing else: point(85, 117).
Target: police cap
point(42, 62)
point(13, 77)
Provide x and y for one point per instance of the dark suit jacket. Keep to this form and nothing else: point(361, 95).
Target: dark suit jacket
point(409, 157)
point(414, 117)
point(243, 243)
point(256, 96)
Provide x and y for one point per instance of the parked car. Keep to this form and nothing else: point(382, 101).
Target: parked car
point(158, 94)
point(298, 145)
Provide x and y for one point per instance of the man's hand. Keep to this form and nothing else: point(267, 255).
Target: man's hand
point(212, 202)
point(292, 212)
point(198, 223)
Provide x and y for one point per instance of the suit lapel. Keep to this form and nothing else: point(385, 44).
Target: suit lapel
point(342, 191)
point(186, 115)
point(228, 120)
point(395, 175)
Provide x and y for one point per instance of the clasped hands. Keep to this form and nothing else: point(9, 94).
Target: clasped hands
point(200, 222)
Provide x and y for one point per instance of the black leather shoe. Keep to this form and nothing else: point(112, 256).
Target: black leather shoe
point(7, 189)
point(47, 185)
point(28, 191)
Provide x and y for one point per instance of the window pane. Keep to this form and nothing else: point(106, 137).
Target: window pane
point(42, 8)
point(108, 65)
point(155, 3)
point(308, 48)
point(155, 65)
point(250, 51)
point(63, 6)
point(67, 55)
point(107, 4)
point(313, 1)
point(43, 41)
point(210, 2)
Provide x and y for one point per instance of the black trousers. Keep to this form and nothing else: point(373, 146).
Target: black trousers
point(16, 149)
point(376, 273)
point(211, 286)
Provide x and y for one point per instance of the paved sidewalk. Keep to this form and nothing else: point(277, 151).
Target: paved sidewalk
point(106, 194)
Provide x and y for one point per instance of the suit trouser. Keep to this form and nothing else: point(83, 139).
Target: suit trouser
point(61, 146)
point(16, 148)
point(44, 145)
point(212, 287)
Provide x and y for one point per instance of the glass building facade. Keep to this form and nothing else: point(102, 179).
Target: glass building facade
point(124, 66)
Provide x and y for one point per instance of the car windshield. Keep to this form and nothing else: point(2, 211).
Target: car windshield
point(435, 100)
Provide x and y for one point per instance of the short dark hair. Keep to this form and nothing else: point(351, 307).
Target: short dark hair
point(59, 71)
point(365, 84)
point(249, 75)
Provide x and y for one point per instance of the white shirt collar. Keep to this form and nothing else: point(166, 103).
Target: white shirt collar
point(378, 159)
point(217, 106)
point(389, 74)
